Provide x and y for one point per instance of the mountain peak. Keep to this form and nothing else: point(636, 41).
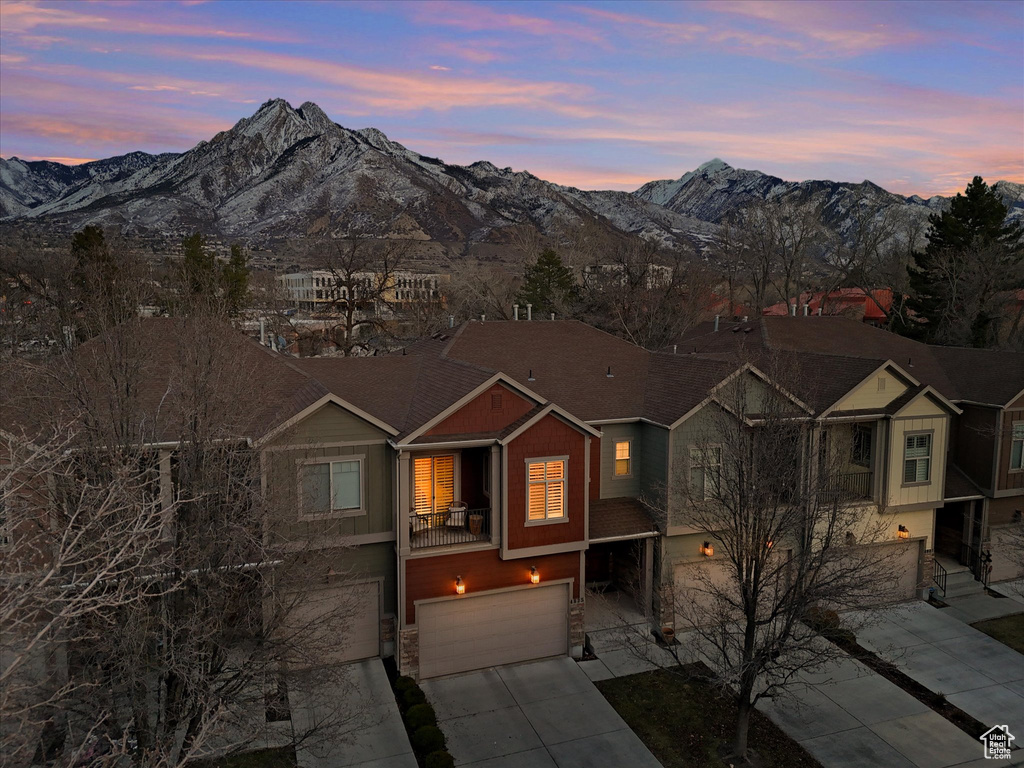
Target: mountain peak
point(713, 167)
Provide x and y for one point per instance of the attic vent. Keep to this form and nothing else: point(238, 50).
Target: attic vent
point(881, 383)
point(495, 401)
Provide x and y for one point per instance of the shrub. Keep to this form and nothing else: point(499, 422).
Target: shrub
point(439, 759)
point(428, 739)
point(827, 623)
point(404, 683)
point(412, 697)
point(420, 715)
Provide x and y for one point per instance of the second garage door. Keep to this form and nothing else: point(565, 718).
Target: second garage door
point(472, 632)
point(340, 624)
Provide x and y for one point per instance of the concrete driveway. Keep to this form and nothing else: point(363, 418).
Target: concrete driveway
point(370, 733)
point(544, 714)
point(978, 674)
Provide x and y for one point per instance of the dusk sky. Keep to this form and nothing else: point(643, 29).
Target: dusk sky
point(916, 96)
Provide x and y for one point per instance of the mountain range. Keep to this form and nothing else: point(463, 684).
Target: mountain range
point(291, 173)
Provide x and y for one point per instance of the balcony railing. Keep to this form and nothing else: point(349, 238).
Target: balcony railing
point(849, 486)
point(448, 528)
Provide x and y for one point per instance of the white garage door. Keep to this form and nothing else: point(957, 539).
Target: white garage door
point(338, 624)
point(482, 631)
point(906, 556)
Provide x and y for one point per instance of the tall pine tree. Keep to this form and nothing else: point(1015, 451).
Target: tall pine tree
point(199, 267)
point(548, 285)
point(960, 283)
point(234, 278)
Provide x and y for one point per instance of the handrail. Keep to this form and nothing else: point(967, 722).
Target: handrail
point(939, 576)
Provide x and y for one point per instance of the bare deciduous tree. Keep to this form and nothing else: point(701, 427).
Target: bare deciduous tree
point(788, 534)
point(150, 610)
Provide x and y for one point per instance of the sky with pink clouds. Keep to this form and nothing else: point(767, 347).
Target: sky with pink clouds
point(916, 96)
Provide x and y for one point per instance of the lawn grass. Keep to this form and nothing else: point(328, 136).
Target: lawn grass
point(1008, 630)
point(683, 720)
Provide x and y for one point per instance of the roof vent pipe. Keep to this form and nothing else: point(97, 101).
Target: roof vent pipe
point(910, 362)
point(529, 311)
point(745, 318)
point(263, 331)
point(483, 318)
point(792, 309)
point(515, 311)
point(530, 377)
point(552, 315)
point(610, 375)
point(451, 321)
point(807, 309)
point(819, 311)
point(674, 348)
point(716, 322)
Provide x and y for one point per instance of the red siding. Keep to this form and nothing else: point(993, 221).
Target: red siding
point(481, 571)
point(548, 437)
point(479, 415)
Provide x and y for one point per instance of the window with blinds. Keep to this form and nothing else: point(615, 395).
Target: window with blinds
point(433, 484)
point(1017, 446)
point(917, 458)
point(545, 482)
point(622, 459)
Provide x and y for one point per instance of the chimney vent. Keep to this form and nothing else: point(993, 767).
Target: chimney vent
point(552, 315)
point(610, 375)
point(792, 309)
point(819, 311)
point(745, 318)
point(716, 322)
point(807, 309)
point(451, 321)
point(483, 318)
point(530, 376)
point(674, 348)
point(515, 311)
point(529, 311)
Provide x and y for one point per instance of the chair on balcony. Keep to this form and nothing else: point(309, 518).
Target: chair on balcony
point(456, 516)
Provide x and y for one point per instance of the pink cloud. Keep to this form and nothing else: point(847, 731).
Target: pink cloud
point(21, 18)
point(473, 17)
point(398, 91)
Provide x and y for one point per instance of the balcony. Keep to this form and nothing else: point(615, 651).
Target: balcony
point(849, 486)
point(456, 525)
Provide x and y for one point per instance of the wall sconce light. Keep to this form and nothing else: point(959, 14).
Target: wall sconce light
point(706, 549)
point(902, 532)
point(460, 588)
point(534, 575)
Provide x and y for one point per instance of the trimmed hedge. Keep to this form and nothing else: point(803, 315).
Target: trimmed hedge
point(427, 739)
point(420, 715)
point(439, 759)
point(412, 697)
point(404, 683)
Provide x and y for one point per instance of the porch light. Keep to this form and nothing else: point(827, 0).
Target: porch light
point(534, 575)
point(707, 550)
point(902, 532)
point(460, 588)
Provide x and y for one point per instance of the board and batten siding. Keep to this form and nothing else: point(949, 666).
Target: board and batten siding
point(330, 434)
point(876, 392)
point(702, 428)
point(613, 486)
point(901, 494)
point(1007, 479)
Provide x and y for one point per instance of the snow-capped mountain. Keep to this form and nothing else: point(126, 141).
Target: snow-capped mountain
point(286, 172)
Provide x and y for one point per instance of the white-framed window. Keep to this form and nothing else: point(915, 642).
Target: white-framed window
point(546, 489)
point(1017, 446)
point(623, 458)
point(917, 458)
point(332, 486)
point(433, 483)
point(705, 471)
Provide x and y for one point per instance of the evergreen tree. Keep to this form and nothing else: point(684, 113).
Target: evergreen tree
point(235, 280)
point(960, 281)
point(199, 266)
point(548, 284)
point(102, 277)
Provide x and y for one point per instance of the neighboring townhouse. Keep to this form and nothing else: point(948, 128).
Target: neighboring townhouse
point(976, 484)
point(468, 489)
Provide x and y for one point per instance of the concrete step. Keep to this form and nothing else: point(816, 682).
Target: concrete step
point(962, 589)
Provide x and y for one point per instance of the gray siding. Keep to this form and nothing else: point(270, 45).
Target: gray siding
point(654, 468)
point(700, 429)
point(613, 487)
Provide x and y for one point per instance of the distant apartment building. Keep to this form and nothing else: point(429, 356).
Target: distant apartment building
point(321, 290)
